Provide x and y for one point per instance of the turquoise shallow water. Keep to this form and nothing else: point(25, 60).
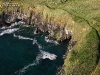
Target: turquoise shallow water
point(20, 52)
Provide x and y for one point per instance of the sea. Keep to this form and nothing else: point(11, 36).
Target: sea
point(24, 52)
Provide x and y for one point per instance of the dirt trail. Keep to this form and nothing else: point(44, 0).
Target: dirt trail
point(93, 73)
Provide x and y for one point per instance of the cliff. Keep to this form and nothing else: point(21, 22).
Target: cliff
point(81, 17)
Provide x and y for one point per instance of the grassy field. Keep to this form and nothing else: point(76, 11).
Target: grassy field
point(83, 18)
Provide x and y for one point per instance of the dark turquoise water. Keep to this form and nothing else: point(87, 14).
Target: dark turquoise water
point(20, 52)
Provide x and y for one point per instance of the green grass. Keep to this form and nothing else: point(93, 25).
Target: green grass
point(84, 56)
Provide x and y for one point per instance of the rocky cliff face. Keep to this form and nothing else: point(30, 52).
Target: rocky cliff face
point(56, 31)
point(12, 16)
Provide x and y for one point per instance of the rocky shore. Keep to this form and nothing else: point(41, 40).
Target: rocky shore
point(61, 70)
point(56, 31)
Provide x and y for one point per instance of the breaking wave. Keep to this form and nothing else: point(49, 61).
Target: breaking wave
point(9, 31)
point(16, 23)
point(51, 41)
point(47, 55)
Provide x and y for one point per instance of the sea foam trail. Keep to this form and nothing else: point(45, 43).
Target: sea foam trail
point(9, 31)
point(27, 38)
point(41, 55)
point(22, 37)
point(51, 41)
point(35, 41)
point(24, 69)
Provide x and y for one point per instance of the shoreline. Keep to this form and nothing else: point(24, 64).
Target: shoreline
point(56, 32)
point(71, 43)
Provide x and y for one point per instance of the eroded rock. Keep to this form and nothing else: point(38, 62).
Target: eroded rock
point(56, 31)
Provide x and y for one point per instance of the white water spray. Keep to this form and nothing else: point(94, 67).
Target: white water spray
point(21, 37)
point(51, 41)
point(9, 31)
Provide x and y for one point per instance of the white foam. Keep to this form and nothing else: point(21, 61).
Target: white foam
point(35, 32)
point(51, 41)
point(34, 41)
point(21, 37)
point(13, 24)
point(24, 69)
point(21, 22)
point(26, 25)
point(39, 46)
point(26, 38)
point(47, 55)
point(42, 55)
point(9, 31)
point(16, 23)
point(3, 28)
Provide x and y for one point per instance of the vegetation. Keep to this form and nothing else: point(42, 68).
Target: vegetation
point(56, 36)
point(83, 18)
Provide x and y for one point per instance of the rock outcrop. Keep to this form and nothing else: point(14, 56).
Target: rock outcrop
point(56, 31)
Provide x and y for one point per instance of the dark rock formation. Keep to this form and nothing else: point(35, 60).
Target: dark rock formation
point(7, 18)
point(56, 31)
